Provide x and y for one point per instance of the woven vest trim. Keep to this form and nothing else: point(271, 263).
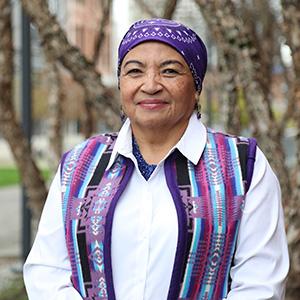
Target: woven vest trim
point(208, 198)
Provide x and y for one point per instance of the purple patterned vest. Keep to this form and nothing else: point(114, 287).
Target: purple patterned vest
point(208, 198)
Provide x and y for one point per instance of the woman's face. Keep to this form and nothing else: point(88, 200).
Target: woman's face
point(157, 87)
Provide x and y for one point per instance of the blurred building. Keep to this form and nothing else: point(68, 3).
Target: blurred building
point(187, 12)
point(81, 21)
point(82, 27)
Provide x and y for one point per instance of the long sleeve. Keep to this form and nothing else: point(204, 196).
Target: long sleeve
point(261, 260)
point(47, 270)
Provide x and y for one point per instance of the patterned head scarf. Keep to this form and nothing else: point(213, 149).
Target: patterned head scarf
point(174, 34)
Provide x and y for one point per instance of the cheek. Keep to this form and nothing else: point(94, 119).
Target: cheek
point(127, 88)
point(181, 85)
point(125, 102)
point(186, 92)
point(126, 98)
point(124, 92)
point(185, 86)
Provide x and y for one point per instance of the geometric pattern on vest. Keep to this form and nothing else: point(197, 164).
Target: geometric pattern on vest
point(208, 198)
point(213, 196)
point(85, 206)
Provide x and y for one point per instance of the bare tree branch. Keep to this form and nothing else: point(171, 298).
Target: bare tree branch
point(167, 13)
point(10, 128)
point(101, 35)
point(169, 9)
point(240, 60)
point(83, 71)
point(291, 15)
point(236, 43)
point(145, 7)
point(86, 118)
point(291, 28)
point(264, 42)
point(234, 113)
point(55, 117)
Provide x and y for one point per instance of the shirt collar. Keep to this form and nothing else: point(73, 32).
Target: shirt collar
point(191, 144)
point(193, 141)
point(123, 143)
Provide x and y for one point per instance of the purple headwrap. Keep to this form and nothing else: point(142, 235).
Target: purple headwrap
point(176, 35)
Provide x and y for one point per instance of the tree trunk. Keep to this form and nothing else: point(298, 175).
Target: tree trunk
point(234, 114)
point(146, 8)
point(54, 39)
point(264, 41)
point(10, 128)
point(231, 92)
point(55, 118)
point(240, 60)
point(236, 43)
point(101, 35)
point(87, 118)
point(291, 15)
point(169, 9)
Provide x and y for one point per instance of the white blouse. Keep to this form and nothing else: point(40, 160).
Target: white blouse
point(144, 237)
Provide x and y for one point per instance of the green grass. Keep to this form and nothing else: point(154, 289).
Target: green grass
point(10, 176)
point(14, 291)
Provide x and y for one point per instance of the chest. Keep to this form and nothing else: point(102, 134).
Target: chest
point(205, 200)
point(144, 239)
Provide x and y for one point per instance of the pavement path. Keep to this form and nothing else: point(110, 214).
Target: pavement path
point(10, 221)
point(10, 210)
point(10, 234)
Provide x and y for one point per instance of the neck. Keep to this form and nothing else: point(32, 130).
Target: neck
point(154, 144)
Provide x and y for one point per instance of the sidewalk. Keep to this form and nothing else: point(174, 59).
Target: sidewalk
point(10, 234)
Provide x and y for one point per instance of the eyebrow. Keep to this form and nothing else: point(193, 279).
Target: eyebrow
point(170, 62)
point(133, 62)
point(163, 64)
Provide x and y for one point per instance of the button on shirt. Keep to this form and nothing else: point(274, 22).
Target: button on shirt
point(145, 231)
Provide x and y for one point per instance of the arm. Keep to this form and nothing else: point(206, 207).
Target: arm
point(47, 270)
point(261, 260)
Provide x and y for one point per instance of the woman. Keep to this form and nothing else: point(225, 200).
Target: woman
point(164, 209)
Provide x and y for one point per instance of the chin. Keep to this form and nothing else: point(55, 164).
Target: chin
point(150, 123)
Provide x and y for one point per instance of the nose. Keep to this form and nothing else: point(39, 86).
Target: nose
point(151, 84)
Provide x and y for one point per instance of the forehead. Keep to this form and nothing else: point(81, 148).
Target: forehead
point(153, 50)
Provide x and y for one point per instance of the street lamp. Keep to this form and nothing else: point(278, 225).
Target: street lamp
point(26, 122)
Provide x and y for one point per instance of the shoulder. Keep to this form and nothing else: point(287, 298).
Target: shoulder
point(105, 138)
point(89, 146)
point(239, 140)
point(263, 170)
point(100, 139)
point(223, 134)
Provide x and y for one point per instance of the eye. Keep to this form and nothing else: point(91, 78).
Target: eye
point(133, 71)
point(170, 71)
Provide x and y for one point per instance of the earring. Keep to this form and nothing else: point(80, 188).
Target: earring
point(122, 115)
point(198, 111)
point(198, 107)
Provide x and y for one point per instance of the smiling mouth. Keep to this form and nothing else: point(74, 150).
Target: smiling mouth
point(152, 104)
